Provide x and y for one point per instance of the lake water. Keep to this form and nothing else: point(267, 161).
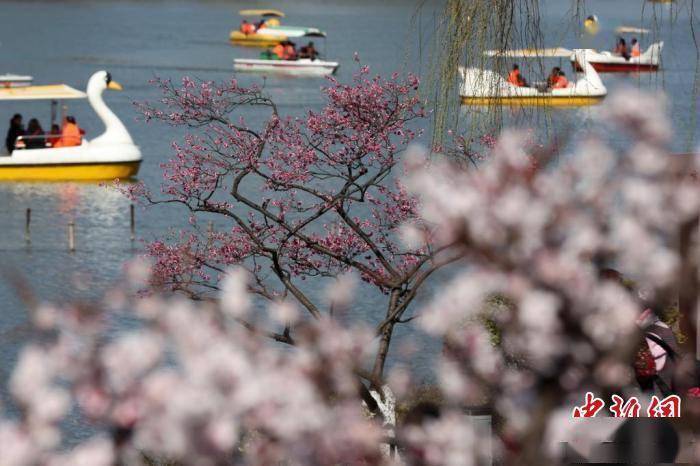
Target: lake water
point(65, 41)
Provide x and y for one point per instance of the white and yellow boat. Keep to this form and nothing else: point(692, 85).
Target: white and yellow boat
point(300, 67)
point(486, 87)
point(271, 32)
point(111, 155)
point(15, 80)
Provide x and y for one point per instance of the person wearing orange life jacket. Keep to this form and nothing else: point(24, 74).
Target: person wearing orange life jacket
point(561, 81)
point(71, 134)
point(247, 28)
point(553, 77)
point(635, 48)
point(290, 52)
point(515, 78)
point(278, 51)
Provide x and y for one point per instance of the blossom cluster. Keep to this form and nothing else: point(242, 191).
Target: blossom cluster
point(539, 231)
point(314, 195)
point(189, 385)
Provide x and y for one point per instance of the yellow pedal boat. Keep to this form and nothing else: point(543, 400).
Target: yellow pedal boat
point(111, 155)
point(270, 32)
point(486, 87)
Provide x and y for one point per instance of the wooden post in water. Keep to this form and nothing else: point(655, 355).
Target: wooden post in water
point(71, 236)
point(132, 222)
point(27, 233)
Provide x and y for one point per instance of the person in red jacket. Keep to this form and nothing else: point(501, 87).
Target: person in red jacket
point(247, 28)
point(290, 52)
point(553, 77)
point(278, 51)
point(561, 81)
point(515, 78)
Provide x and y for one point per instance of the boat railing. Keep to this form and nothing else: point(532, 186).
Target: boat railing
point(24, 141)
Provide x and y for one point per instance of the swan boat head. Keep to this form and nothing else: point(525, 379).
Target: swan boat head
point(115, 132)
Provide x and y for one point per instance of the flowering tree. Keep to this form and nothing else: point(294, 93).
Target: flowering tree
point(313, 196)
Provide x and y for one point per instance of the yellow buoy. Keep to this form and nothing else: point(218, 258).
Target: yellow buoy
point(591, 25)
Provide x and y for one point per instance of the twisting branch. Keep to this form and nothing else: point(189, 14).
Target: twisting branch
point(305, 197)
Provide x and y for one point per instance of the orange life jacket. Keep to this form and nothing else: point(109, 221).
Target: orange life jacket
point(561, 83)
point(70, 136)
point(514, 78)
point(289, 52)
point(279, 51)
point(635, 50)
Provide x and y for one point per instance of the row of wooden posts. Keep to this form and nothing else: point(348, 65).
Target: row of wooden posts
point(71, 228)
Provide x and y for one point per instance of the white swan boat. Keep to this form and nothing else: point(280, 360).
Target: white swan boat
point(609, 62)
point(300, 67)
point(15, 80)
point(111, 155)
point(486, 87)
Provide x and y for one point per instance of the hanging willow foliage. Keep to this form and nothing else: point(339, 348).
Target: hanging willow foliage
point(467, 28)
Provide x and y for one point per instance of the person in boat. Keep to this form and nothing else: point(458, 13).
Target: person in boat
point(308, 51)
point(54, 135)
point(247, 28)
point(35, 133)
point(553, 77)
point(561, 82)
point(635, 48)
point(290, 51)
point(278, 51)
point(71, 134)
point(515, 78)
point(259, 25)
point(16, 130)
point(621, 49)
